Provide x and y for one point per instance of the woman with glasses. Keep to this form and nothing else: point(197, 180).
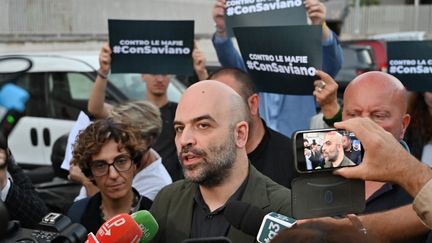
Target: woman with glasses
point(108, 153)
point(151, 174)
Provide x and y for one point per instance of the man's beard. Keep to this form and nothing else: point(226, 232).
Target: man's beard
point(213, 170)
point(332, 158)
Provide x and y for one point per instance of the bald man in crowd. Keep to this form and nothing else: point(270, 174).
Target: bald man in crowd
point(382, 98)
point(211, 142)
point(269, 151)
point(333, 151)
point(409, 223)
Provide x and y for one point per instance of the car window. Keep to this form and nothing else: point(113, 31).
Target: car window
point(130, 84)
point(34, 84)
point(69, 94)
point(80, 86)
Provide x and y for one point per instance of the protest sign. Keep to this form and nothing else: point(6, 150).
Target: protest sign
point(411, 63)
point(157, 47)
point(243, 13)
point(281, 59)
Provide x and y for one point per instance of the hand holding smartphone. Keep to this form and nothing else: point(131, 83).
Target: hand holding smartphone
point(316, 192)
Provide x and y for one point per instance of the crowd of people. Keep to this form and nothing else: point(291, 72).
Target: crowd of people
point(227, 141)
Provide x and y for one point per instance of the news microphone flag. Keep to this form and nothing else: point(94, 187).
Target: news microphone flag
point(147, 223)
point(120, 228)
point(272, 224)
point(253, 221)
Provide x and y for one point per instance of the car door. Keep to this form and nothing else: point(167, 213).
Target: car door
point(56, 98)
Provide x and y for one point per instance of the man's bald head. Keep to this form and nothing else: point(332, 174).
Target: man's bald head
point(380, 96)
point(218, 97)
point(385, 82)
point(334, 136)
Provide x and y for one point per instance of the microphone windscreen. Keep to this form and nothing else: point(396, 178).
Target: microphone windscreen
point(147, 223)
point(244, 216)
point(120, 228)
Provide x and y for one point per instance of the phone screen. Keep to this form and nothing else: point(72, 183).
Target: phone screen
point(326, 149)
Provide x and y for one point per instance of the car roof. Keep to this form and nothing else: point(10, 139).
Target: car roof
point(57, 62)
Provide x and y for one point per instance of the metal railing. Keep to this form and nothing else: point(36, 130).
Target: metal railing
point(41, 20)
point(388, 19)
point(69, 18)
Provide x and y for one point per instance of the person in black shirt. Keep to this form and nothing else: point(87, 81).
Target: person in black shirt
point(269, 151)
point(353, 154)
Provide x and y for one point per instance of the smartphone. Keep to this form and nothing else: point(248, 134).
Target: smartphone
point(325, 150)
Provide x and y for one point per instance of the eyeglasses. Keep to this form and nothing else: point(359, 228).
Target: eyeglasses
point(121, 163)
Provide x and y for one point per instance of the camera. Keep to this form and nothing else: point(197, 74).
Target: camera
point(54, 227)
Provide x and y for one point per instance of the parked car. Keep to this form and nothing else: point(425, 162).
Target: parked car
point(357, 60)
point(59, 87)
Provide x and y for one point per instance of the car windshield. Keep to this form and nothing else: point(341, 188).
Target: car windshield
point(134, 88)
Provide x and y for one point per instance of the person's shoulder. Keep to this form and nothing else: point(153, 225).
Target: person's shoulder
point(346, 161)
point(175, 188)
point(170, 106)
point(280, 142)
point(271, 186)
point(145, 203)
point(77, 209)
point(278, 195)
point(171, 195)
point(279, 136)
point(168, 110)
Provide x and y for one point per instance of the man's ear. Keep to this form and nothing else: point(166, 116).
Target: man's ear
point(241, 134)
point(253, 103)
point(405, 122)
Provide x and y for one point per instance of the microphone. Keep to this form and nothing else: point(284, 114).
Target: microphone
point(120, 228)
point(254, 221)
point(147, 223)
